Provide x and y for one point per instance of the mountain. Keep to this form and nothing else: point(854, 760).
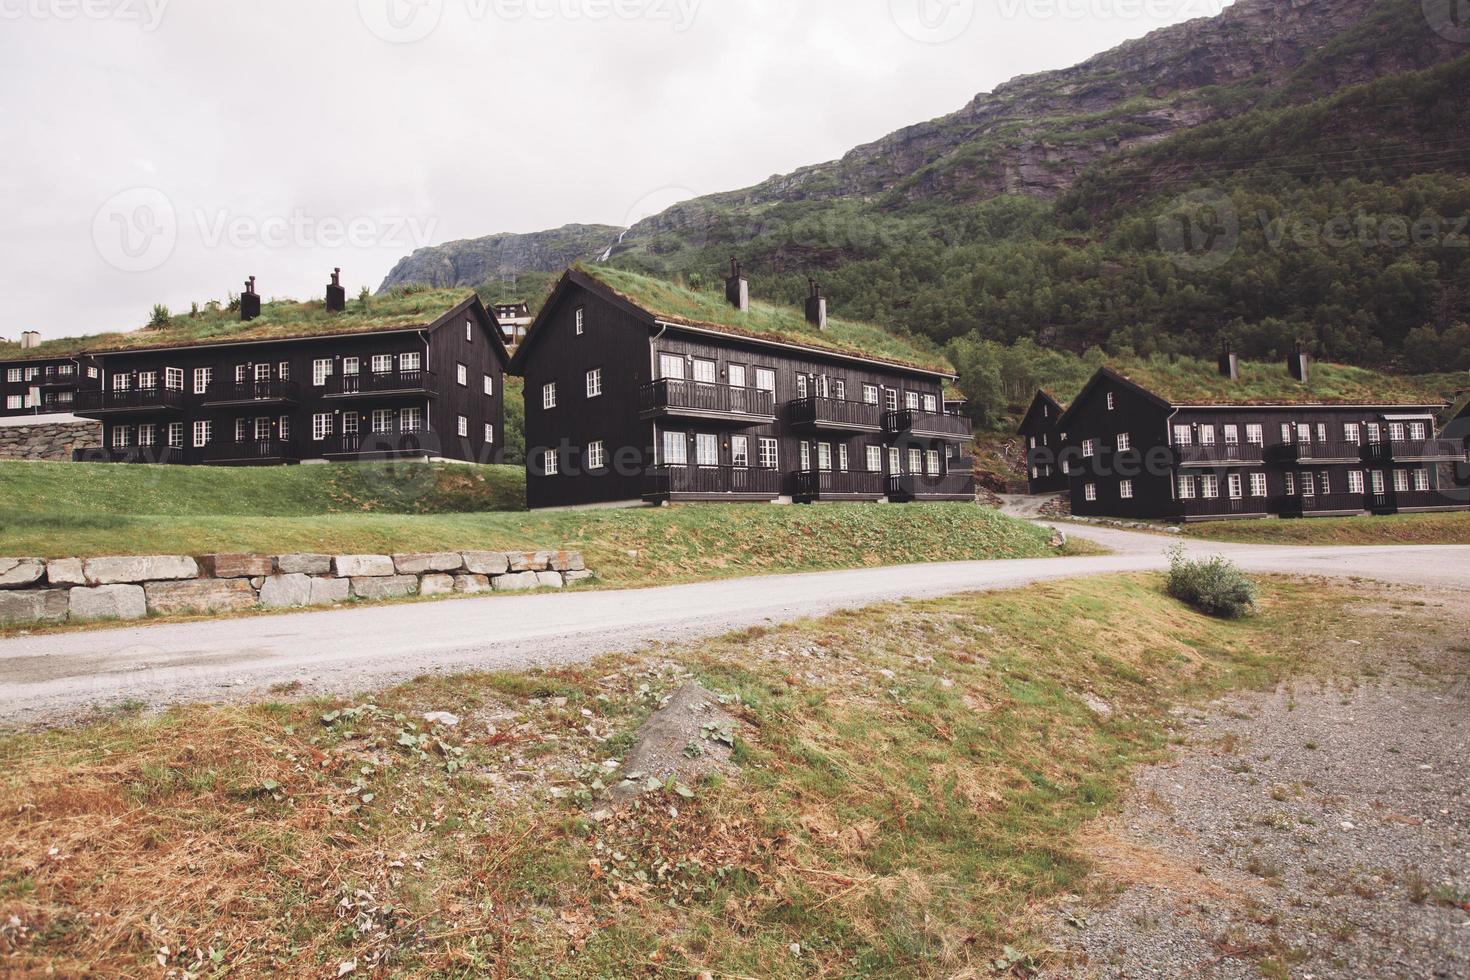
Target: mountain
point(481, 260)
point(1051, 208)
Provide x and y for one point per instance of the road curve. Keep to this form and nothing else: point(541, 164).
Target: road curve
point(46, 679)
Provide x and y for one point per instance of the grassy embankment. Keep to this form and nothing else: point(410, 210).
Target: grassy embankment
point(1451, 528)
point(916, 780)
point(56, 510)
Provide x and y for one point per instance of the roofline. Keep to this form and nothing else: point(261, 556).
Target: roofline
point(1386, 406)
point(805, 349)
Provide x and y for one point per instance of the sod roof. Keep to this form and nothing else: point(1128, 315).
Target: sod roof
point(1190, 381)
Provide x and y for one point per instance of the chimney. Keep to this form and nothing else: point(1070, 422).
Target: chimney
point(249, 302)
point(1299, 363)
point(30, 339)
point(816, 306)
point(336, 295)
point(1229, 363)
point(737, 287)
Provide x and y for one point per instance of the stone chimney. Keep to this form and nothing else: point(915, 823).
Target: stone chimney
point(30, 339)
point(249, 302)
point(816, 305)
point(1229, 363)
point(336, 295)
point(737, 287)
point(1299, 363)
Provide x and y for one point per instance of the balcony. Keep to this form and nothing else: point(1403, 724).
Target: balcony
point(259, 452)
point(55, 379)
point(142, 455)
point(926, 424)
point(135, 401)
point(390, 384)
point(954, 485)
point(1294, 453)
point(376, 446)
point(252, 393)
point(1222, 508)
point(836, 415)
point(1406, 501)
point(839, 485)
point(680, 483)
point(1320, 505)
point(1417, 451)
point(673, 398)
point(1225, 454)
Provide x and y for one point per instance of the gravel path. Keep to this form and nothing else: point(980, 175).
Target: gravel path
point(1321, 831)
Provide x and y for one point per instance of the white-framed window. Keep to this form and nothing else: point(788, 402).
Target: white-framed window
point(705, 371)
point(1352, 432)
point(321, 370)
point(1207, 435)
point(15, 375)
point(382, 420)
point(122, 382)
point(1255, 435)
point(147, 434)
point(890, 399)
point(548, 395)
point(1232, 435)
point(931, 404)
point(839, 390)
point(596, 455)
point(932, 462)
point(411, 419)
point(1401, 481)
point(594, 383)
point(824, 456)
point(413, 361)
point(1125, 489)
point(1258, 484)
point(1125, 442)
point(1355, 481)
point(870, 394)
point(15, 403)
point(241, 430)
point(1090, 492)
point(706, 449)
point(1308, 485)
point(671, 366)
point(1210, 486)
point(1304, 433)
point(351, 423)
point(469, 331)
point(1377, 481)
point(737, 375)
point(1421, 479)
point(740, 451)
point(173, 379)
point(1288, 481)
point(550, 463)
point(676, 449)
point(895, 460)
point(489, 385)
point(1186, 488)
point(842, 457)
point(122, 436)
point(1374, 431)
point(769, 453)
point(1089, 448)
point(461, 375)
point(581, 320)
point(1183, 435)
point(382, 364)
point(147, 380)
point(242, 372)
point(176, 435)
point(1237, 489)
point(804, 452)
point(875, 459)
point(262, 429)
point(765, 380)
point(1286, 433)
point(1321, 431)
point(1396, 431)
point(801, 386)
point(489, 433)
point(351, 367)
point(911, 400)
point(203, 432)
point(916, 461)
point(1417, 432)
point(1112, 402)
point(262, 372)
point(462, 426)
point(283, 371)
point(321, 426)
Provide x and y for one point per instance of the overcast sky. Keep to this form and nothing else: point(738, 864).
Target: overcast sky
point(163, 150)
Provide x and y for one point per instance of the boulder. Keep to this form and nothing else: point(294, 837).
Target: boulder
point(363, 566)
point(286, 591)
point(17, 573)
point(549, 580)
point(530, 561)
point(330, 591)
point(135, 570)
point(108, 602)
point(237, 566)
point(516, 582)
point(385, 587)
point(436, 585)
point(693, 717)
point(304, 564)
point(471, 584)
point(65, 571)
point(486, 562)
point(33, 606)
point(448, 561)
point(202, 595)
point(574, 577)
point(567, 561)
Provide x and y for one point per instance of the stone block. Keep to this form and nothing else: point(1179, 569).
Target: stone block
point(134, 570)
point(363, 566)
point(423, 564)
point(33, 606)
point(286, 591)
point(436, 585)
point(567, 561)
point(304, 564)
point(203, 595)
point(549, 580)
point(107, 602)
point(471, 584)
point(579, 576)
point(65, 571)
point(486, 562)
point(385, 587)
point(237, 566)
point(330, 591)
point(17, 573)
point(516, 582)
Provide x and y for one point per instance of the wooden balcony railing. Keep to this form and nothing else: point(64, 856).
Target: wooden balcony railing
point(665, 482)
point(254, 451)
point(839, 484)
point(1203, 507)
point(376, 445)
point(1417, 450)
point(1297, 505)
point(927, 424)
point(132, 400)
point(252, 392)
point(671, 396)
point(833, 413)
point(159, 455)
point(950, 486)
point(1222, 454)
point(385, 383)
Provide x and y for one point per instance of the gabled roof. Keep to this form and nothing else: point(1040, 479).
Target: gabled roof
point(1043, 399)
point(668, 305)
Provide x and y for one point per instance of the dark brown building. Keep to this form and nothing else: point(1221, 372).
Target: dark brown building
point(629, 400)
point(1043, 443)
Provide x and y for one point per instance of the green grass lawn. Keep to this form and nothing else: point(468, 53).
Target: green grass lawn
point(1452, 528)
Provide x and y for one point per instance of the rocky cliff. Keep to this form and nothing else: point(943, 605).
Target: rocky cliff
point(475, 261)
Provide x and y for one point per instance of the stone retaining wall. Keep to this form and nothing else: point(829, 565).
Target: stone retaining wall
point(35, 590)
point(49, 440)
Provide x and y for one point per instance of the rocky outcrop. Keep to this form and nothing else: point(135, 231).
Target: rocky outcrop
point(47, 441)
point(481, 260)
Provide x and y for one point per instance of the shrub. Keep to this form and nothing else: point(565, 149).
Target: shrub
point(1213, 586)
point(159, 317)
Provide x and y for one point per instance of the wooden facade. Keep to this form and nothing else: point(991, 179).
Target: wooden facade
point(1128, 452)
point(1042, 437)
point(45, 385)
point(624, 407)
point(429, 392)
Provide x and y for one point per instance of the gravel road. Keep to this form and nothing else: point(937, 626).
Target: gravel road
point(52, 678)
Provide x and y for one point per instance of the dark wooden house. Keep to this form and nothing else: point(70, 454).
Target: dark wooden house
point(1132, 452)
point(427, 385)
point(1043, 441)
point(629, 401)
point(44, 384)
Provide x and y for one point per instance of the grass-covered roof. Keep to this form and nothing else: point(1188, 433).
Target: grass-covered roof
point(1192, 381)
point(278, 320)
